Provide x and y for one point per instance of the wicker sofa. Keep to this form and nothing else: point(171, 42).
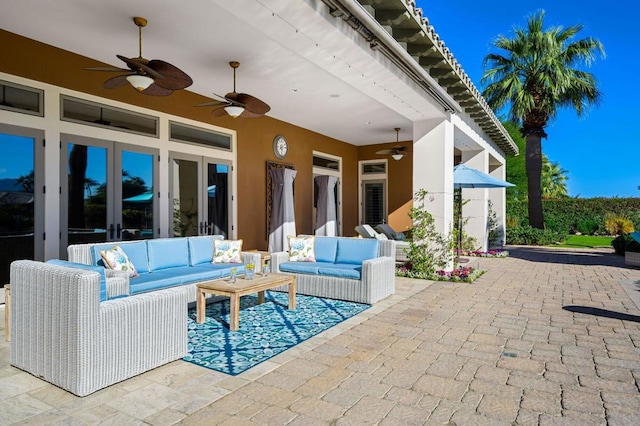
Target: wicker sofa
point(67, 329)
point(354, 269)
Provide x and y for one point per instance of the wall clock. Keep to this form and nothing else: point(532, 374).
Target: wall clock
point(280, 147)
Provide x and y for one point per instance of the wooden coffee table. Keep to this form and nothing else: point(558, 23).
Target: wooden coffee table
point(242, 287)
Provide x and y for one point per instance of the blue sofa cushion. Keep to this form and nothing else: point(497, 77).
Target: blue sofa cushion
point(341, 270)
point(155, 280)
point(210, 271)
point(326, 249)
point(168, 253)
point(356, 250)
point(95, 268)
point(201, 249)
point(300, 267)
point(135, 251)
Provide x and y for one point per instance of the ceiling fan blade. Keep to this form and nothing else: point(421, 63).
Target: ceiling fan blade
point(219, 112)
point(137, 65)
point(253, 104)
point(214, 103)
point(385, 152)
point(171, 77)
point(107, 69)
point(156, 90)
point(248, 114)
point(117, 81)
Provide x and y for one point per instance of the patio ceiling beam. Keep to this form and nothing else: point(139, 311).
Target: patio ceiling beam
point(389, 17)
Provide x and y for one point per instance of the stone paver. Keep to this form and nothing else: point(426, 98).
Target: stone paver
point(522, 345)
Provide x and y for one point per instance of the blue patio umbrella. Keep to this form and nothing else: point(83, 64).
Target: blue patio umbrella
point(466, 177)
point(145, 197)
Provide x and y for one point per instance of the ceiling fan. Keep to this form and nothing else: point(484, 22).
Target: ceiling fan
point(151, 77)
point(398, 151)
point(237, 104)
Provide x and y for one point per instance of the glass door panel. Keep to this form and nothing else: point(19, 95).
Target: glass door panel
point(87, 193)
point(136, 196)
point(17, 201)
point(185, 197)
point(218, 199)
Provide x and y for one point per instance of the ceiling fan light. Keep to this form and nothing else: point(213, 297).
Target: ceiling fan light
point(234, 110)
point(140, 82)
point(397, 157)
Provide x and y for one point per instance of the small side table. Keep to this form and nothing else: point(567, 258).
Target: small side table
point(7, 312)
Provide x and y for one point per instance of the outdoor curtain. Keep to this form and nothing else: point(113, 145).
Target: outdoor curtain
point(326, 215)
point(283, 223)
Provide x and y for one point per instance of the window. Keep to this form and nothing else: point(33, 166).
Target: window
point(95, 114)
point(374, 168)
point(18, 98)
point(193, 134)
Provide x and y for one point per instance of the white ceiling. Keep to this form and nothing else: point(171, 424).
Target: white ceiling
point(312, 69)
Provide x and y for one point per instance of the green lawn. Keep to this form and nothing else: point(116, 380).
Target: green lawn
point(586, 241)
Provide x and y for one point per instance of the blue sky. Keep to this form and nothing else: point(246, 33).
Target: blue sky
point(600, 151)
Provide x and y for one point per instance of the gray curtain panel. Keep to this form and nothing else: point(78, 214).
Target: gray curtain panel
point(326, 215)
point(283, 222)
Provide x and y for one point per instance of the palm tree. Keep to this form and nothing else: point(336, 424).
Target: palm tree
point(536, 77)
point(553, 179)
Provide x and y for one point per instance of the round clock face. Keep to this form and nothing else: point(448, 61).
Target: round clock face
point(280, 147)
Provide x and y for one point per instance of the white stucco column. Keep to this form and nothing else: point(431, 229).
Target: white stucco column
point(474, 211)
point(498, 199)
point(433, 169)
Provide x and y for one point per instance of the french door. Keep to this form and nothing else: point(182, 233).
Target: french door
point(200, 196)
point(374, 202)
point(21, 196)
point(109, 190)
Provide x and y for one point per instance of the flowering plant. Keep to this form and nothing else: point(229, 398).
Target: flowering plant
point(461, 274)
point(480, 253)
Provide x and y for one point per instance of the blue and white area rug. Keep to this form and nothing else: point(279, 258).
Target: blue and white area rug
point(265, 330)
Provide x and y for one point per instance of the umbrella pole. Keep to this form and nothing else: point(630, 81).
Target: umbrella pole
point(458, 259)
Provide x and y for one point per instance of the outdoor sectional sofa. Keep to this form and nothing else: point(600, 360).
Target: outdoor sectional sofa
point(84, 328)
point(354, 269)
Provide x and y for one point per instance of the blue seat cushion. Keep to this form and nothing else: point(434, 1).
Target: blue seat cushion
point(300, 267)
point(341, 270)
point(326, 249)
point(211, 271)
point(167, 253)
point(356, 250)
point(95, 268)
point(201, 249)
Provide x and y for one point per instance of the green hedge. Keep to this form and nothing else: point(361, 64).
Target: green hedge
point(571, 215)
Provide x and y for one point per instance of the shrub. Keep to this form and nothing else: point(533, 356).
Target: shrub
point(527, 235)
point(429, 250)
point(587, 226)
point(618, 225)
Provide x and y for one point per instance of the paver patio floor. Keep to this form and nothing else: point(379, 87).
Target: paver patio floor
point(546, 336)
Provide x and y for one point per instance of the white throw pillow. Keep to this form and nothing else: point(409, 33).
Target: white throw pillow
point(301, 249)
point(227, 251)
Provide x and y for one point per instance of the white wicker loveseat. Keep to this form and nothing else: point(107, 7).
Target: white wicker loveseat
point(354, 269)
point(62, 332)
